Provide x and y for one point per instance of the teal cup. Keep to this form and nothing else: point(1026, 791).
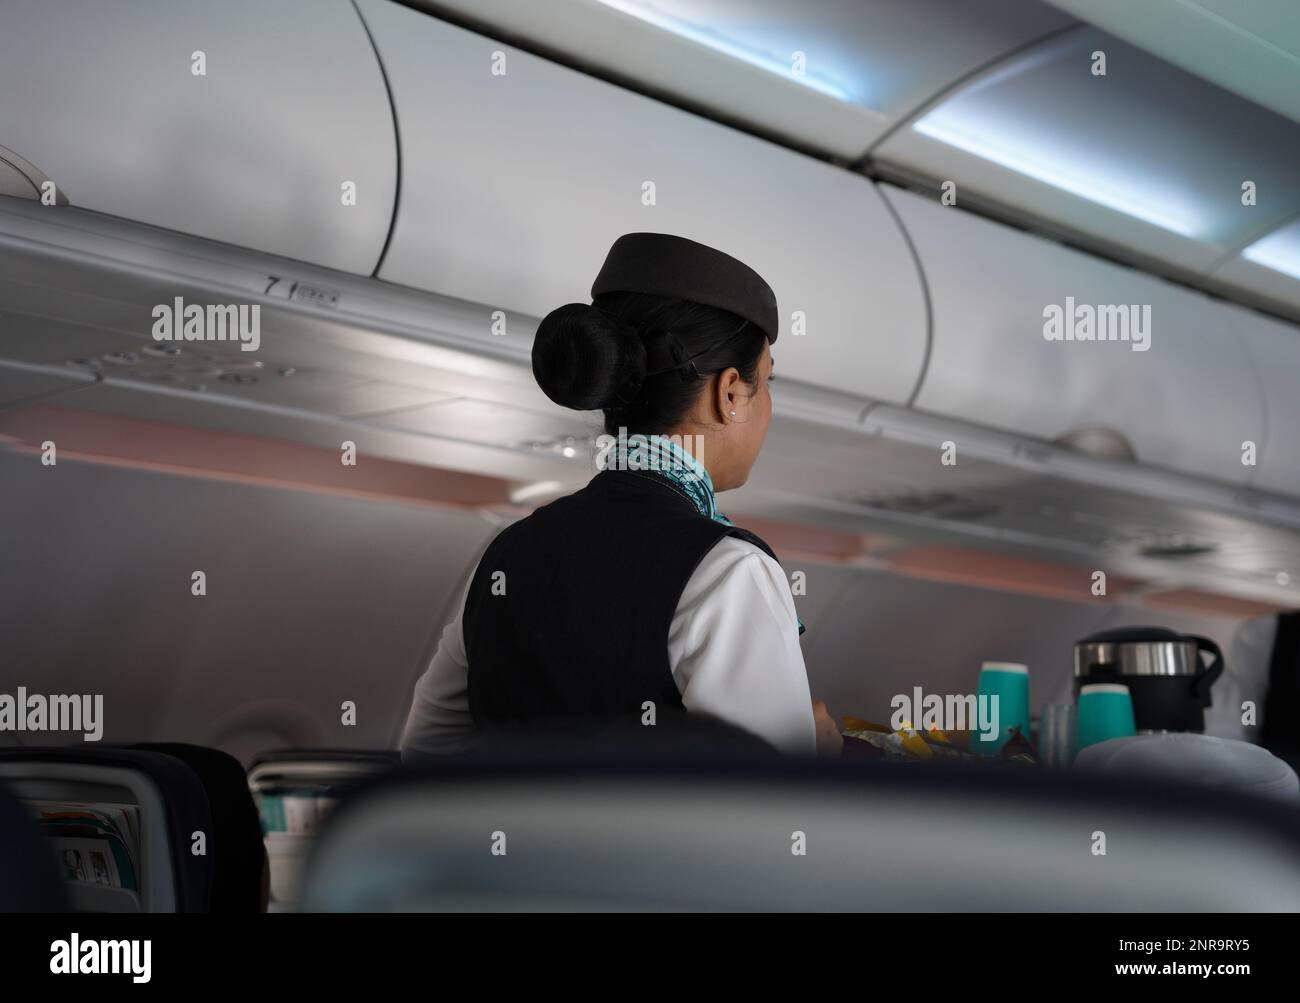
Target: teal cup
point(1004, 690)
point(1105, 712)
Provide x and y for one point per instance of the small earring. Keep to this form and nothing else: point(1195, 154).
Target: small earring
point(733, 414)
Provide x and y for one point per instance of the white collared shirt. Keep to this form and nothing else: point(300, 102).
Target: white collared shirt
point(733, 646)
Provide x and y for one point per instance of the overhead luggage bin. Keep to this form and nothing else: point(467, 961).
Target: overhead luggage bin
point(516, 182)
point(1240, 46)
point(1273, 350)
point(1187, 402)
point(862, 73)
point(1146, 162)
point(254, 150)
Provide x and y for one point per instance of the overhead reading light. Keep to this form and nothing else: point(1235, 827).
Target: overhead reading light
point(1033, 157)
point(711, 39)
point(1280, 251)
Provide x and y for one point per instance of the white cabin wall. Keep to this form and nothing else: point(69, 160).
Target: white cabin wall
point(312, 599)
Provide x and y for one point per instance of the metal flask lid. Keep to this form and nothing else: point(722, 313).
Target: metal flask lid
point(1138, 651)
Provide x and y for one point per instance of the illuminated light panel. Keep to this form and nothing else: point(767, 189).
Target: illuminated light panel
point(719, 43)
point(1034, 164)
point(1280, 251)
point(538, 489)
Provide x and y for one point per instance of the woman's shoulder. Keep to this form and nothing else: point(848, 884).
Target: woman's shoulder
point(737, 574)
point(738, 548)
point(734, 556)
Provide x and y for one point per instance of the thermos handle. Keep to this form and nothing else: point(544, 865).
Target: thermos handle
point(1204, 680)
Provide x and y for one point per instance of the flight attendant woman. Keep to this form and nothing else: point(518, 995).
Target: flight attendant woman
point(636, 591)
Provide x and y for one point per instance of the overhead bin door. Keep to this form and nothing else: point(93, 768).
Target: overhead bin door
point(1187, 402)
point(518, 174)
point(1147, 161)
point(240, 121)
point(1273, 348)
point(866, 70)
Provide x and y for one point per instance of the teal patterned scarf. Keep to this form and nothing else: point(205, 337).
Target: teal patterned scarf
point(675, 464)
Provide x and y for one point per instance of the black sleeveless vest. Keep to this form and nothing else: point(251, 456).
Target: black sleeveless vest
point(568, 613)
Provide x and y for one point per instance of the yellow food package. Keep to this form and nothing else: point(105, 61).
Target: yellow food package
point(913, 744)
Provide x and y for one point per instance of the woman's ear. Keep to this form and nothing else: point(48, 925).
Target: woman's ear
point(730, 395)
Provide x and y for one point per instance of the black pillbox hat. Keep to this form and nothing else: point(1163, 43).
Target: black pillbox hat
point(663, 264)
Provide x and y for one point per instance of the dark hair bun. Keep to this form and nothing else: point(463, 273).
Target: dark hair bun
point(586, 358)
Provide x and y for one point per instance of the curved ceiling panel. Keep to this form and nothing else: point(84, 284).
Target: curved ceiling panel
point(1146, 158)
point(1252, 48)
point(863, 70)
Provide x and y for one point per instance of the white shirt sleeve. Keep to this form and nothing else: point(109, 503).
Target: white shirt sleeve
point(733, 646)
point(439, 720)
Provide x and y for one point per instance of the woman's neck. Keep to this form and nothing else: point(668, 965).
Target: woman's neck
point(707, 448)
